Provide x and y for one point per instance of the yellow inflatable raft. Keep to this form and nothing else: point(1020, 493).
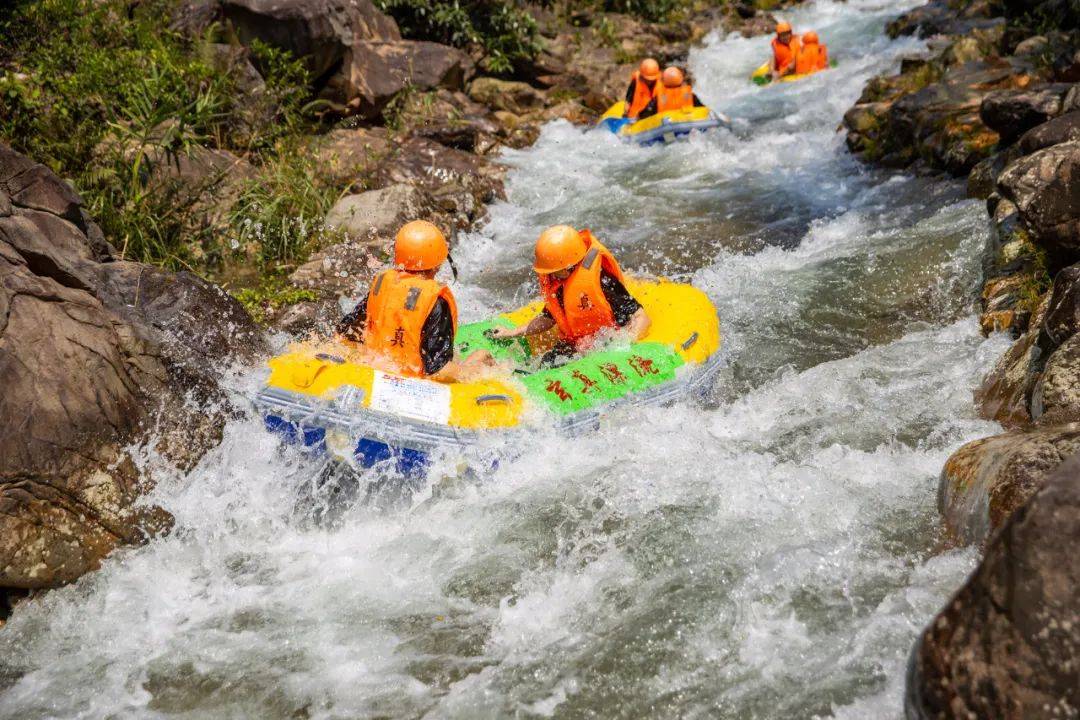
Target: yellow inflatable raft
point(325, 396)
point(662, 127)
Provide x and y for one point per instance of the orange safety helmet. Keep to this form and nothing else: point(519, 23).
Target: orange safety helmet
point(558, 248)
point(649, 69)
point(673, 77)
point(420, 246)
point(783, 26)
point(810, 37)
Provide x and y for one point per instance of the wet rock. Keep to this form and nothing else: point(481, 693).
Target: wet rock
point(321, 32)
point(452, 119)
point(343, 268)
point(985, 481)
point(1056, 396)
point(310, 317)
point(516, 97)
point(982, 180)
point(1005, 393)
point(377, 71)
point(1045, 187)
point(1011, 113)
point(1065, 128)
point(1006, 645)
point(379, 213)
point(460, 182)
point(941, 17)
point(1062, 319)
point(94, 353)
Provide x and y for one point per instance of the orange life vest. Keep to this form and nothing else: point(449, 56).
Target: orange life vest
point(784, 54)
point(398, 305)
point(584, 309)
point(680, 98)
point(811, 58)
point(643, 94)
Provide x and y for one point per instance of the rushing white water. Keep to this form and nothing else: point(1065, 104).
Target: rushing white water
point(772, 554)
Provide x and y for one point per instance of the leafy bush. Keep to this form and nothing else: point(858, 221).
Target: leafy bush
point(505, 33)
point(103, 92)
point(654, 10)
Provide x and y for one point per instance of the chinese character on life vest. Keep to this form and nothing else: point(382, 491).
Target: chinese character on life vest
point(399, 337)
point(643, 366)
point(584, 303)
point(556, 387)
point(613, 374)
point(586, 381)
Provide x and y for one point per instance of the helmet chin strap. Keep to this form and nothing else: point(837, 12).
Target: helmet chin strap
point(453, 267)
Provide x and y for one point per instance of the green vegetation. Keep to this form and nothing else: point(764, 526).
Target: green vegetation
point(150, 125)
point(271, 295)
point(504, 32)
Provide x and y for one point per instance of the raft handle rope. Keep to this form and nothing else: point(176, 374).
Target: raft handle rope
point(327, 357)
point(690, 341)
point(494, 398)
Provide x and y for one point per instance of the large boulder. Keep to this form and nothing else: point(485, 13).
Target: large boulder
point(1061, 129)
point(1045, 187)
point(321, 32)
point(1062, 319)
point(376, 215)
point(1013, 112)
point(340, 269)
point(93, 352)
point(347, 158)
point(986, 480)
point(1056, 395)
point(511, 96)
point(376, 72)
point(1007, 644)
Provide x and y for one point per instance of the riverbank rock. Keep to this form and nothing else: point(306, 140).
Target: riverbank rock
point(1045, 187)
point(1007, 644)
point(1065, 128)
point(1011, 113)
point(378, 213)
point(985, 481)
point(320, 32)
point(376, 72)
point(95, 354)
point(511, 96)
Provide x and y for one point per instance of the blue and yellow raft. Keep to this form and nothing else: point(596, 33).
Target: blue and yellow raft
point(662, 127)
point(327, 398)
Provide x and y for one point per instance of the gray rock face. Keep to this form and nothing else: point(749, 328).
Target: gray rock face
point(985, 481)
point(377, 71)
point(1045, 186)
point(344, 268)
point(1061, 129)
point(1056, 396)
point(319, 31)
point(92, 351)
point(1011, 113)
point(1063, 312)
point(508, 95)
point(1007, 644)
point(376, 215)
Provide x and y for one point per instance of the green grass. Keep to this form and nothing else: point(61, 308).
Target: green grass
point(106, 95)
point(271, 295)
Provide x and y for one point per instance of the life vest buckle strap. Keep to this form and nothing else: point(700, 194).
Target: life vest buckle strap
point(378, 284)
point(411, 300)
point(590, 258)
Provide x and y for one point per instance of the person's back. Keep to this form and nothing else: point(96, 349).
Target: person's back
point(673, 93)
point(411, 322)
point(643, 86)
point(785, 47)
point(811, 55)
point(408, 319)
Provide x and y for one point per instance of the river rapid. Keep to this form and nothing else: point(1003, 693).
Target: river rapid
point(771, 552)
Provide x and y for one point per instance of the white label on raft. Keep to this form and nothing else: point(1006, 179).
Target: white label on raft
point(411, 398)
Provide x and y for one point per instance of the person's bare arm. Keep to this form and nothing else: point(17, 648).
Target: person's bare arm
point(639, 324)
point(539, 324)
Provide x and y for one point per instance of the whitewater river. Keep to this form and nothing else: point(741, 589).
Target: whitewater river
point(769, 553)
